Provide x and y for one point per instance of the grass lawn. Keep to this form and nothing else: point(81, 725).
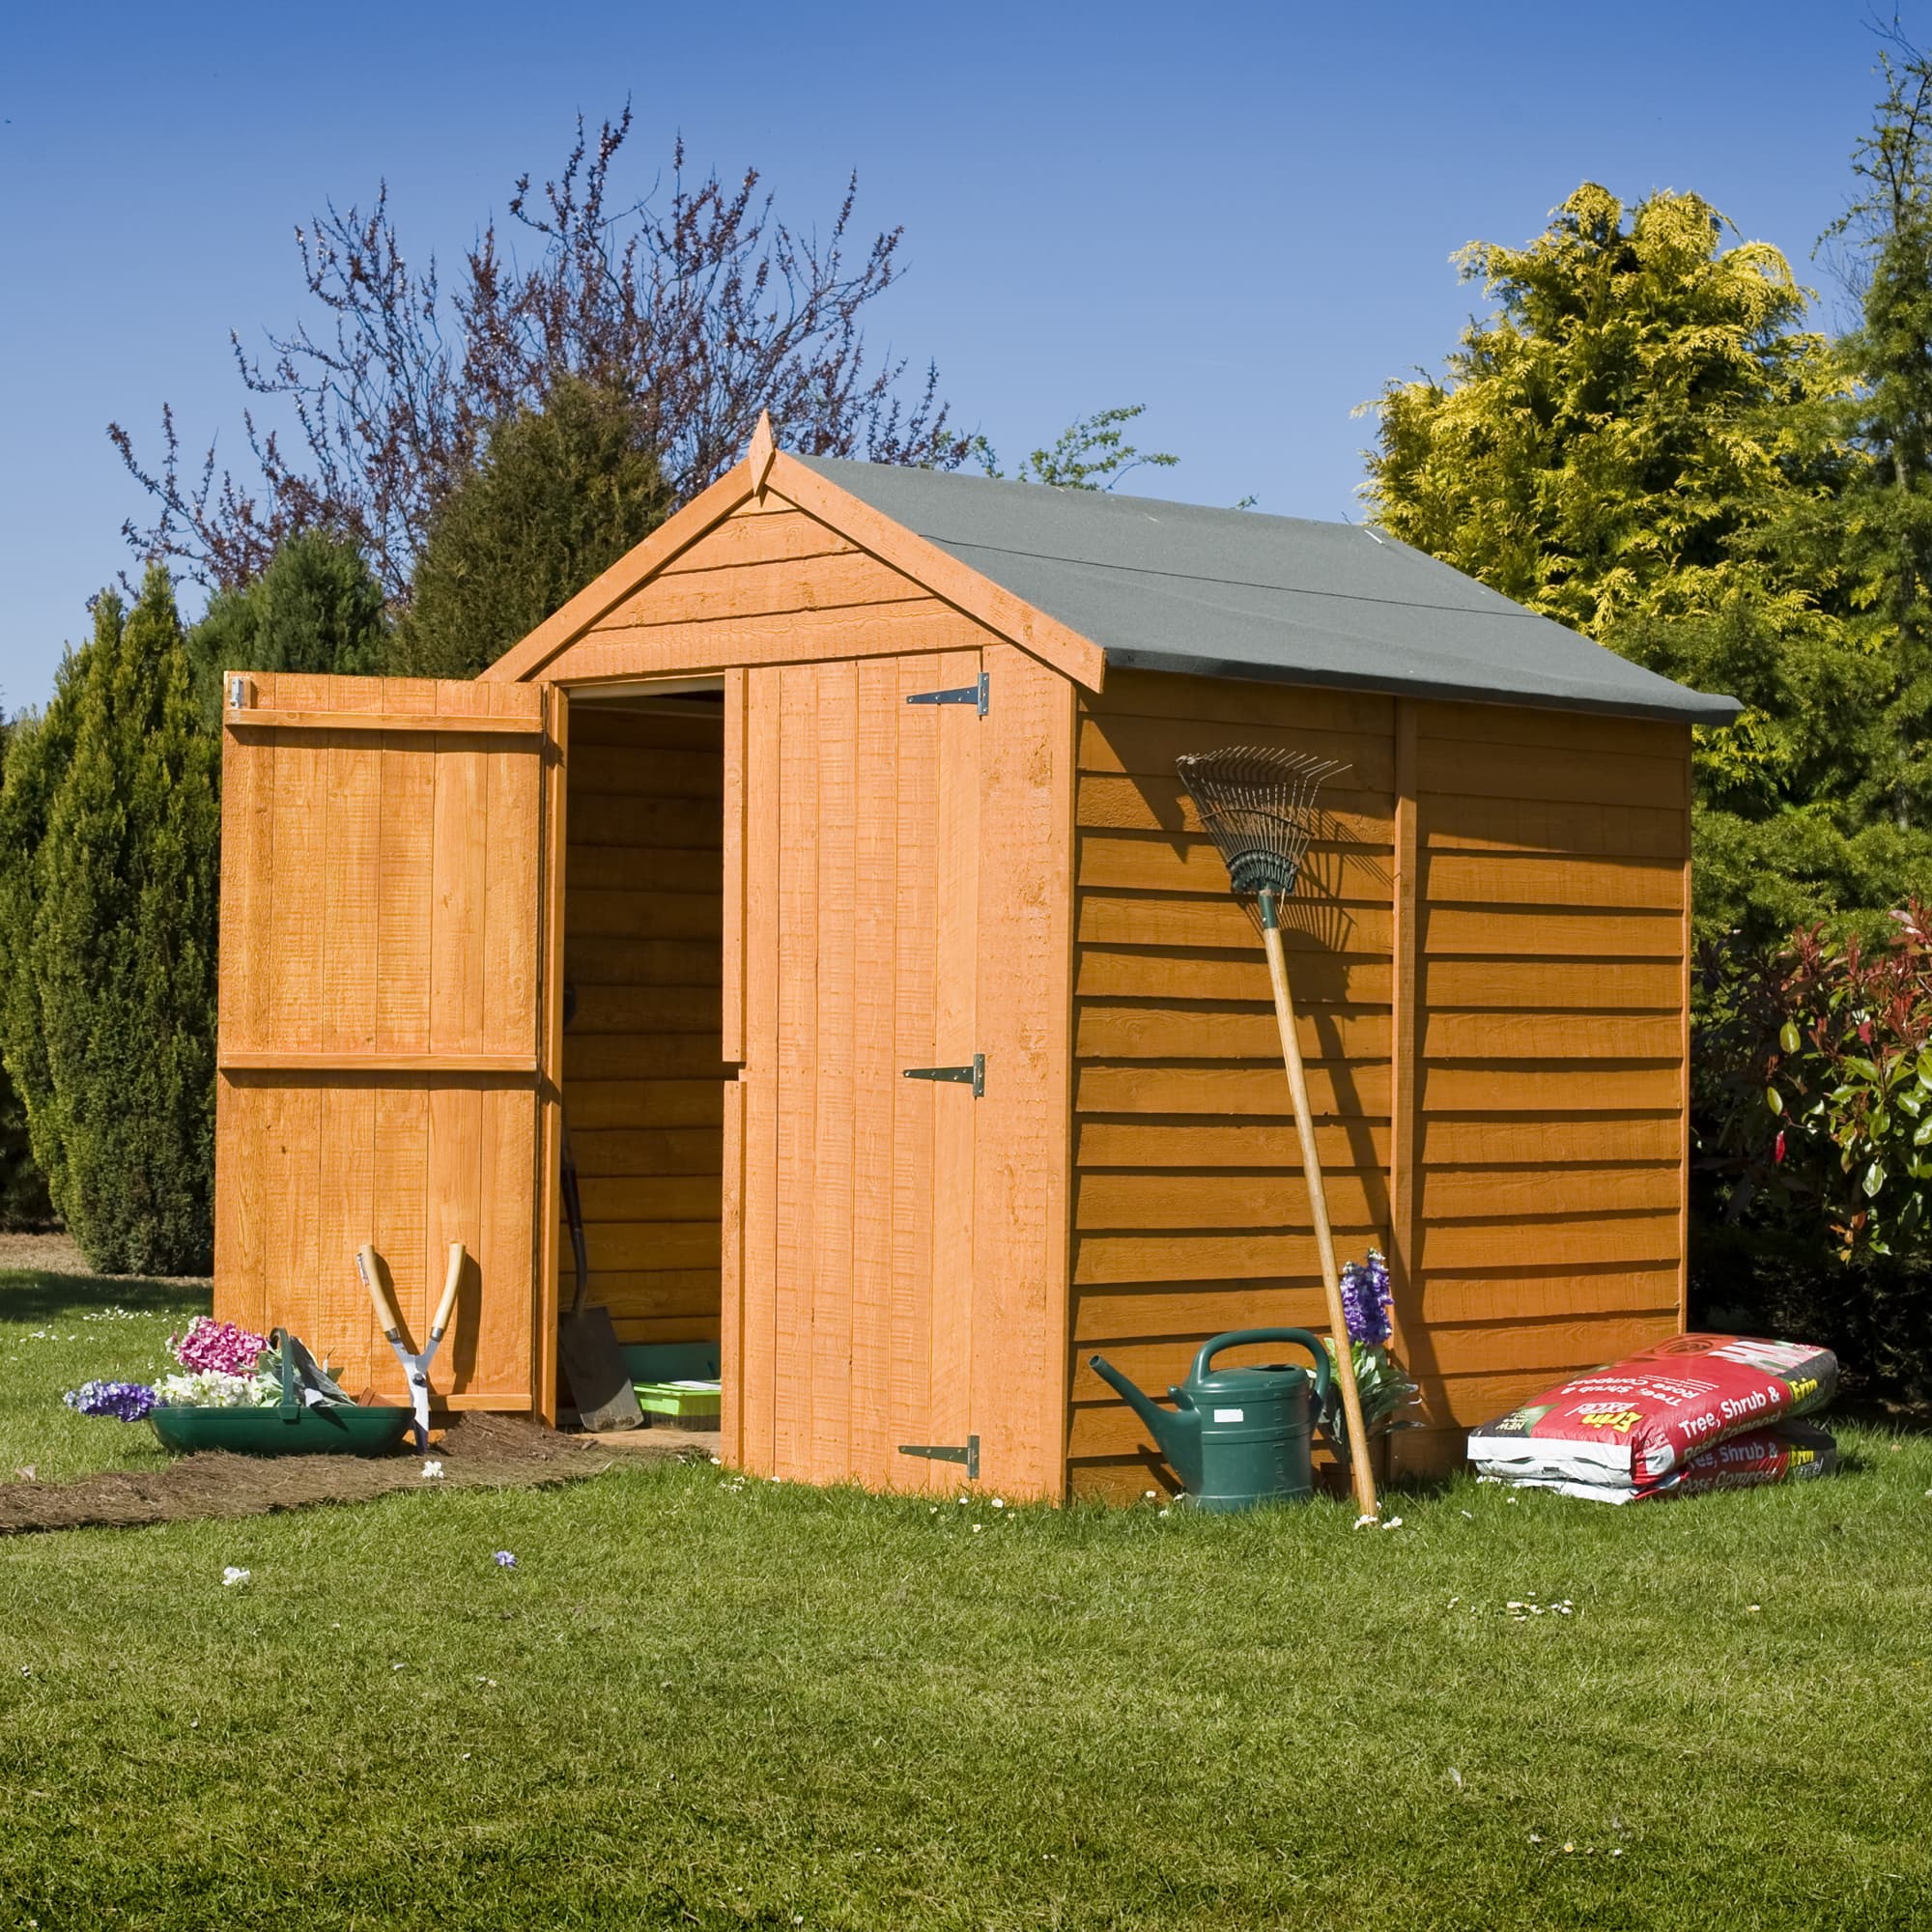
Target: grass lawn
point(698, 1701)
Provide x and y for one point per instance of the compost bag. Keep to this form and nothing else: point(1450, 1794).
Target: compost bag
point(1790, 1452)
point(1640, 1421)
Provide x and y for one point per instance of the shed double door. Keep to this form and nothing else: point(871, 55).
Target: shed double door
point(387, 1019)
point(853, 829)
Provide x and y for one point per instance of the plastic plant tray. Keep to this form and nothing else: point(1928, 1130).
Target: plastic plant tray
point(692, 1403)
point(344, 1430)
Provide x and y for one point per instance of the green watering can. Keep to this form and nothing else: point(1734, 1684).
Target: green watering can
point(1235, 1437)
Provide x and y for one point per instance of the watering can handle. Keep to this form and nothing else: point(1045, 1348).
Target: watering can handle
point(1323, 1371)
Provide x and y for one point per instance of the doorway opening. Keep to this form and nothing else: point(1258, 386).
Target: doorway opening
point(642, 1047)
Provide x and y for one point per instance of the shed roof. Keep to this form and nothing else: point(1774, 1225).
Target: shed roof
point(1231, 593)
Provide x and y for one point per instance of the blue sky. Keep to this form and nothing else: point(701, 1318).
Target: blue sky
point(1240, 215)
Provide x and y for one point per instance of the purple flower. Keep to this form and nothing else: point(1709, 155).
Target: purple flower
point(1366, 1300)
point(505, 1561)
point(130, 1400)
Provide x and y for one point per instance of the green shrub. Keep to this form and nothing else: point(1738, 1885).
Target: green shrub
point(1811, 1121)
point(316, 608)
point(1814, 1076)
point(108, 841)
point(560, 495)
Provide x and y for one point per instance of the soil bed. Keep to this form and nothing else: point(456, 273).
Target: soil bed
point(477, 1452)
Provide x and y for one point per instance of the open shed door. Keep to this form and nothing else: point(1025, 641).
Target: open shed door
point(389, 1023)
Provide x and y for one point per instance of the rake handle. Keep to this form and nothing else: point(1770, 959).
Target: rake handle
point(1362, 1476)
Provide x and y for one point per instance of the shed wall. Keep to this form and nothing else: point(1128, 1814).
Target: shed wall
point(1488, 955)
point(643, 922)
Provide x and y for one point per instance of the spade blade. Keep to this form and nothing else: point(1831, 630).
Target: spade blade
point(593, 1365)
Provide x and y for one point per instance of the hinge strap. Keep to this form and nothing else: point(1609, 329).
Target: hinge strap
point(961, 693)
point(967, 1452)
point(974, 1076)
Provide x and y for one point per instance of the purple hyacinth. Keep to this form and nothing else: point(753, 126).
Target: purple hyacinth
point(130, 1400)
point(1366, 1300)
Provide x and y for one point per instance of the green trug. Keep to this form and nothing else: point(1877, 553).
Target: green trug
point(1236, 1437)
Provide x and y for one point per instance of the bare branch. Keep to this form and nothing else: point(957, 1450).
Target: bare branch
point(694, 300)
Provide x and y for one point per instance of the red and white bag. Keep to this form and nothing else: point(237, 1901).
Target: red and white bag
point(1635, 1423)
point(1791, 1452)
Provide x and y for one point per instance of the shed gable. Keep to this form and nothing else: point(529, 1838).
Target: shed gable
point(775, 564)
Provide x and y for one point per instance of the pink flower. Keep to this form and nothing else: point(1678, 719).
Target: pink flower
point(222, 1347)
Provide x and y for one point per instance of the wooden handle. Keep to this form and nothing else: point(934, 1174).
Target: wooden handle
point(1318, 1197)
point(371, 1271)
point(446, 1306)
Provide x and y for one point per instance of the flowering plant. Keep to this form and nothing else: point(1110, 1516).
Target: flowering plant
point(222, 1366)
point(222, 1347)
point(130, 1400)
point(1379, 1381)
point(211, 1388)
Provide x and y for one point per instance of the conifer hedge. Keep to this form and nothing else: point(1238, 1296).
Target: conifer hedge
point(109, 823)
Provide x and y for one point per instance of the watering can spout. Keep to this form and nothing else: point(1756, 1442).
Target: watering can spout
point(1177, 1429)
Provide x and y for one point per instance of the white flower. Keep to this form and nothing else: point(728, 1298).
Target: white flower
point(231, 1576)
point(999, 1502)
point(1365, 1523)
point(432, 1472)
point(977, 1527)
point(1394, 1522)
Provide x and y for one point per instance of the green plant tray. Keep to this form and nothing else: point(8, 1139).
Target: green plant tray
point(683, 1407)
point(275, 1431)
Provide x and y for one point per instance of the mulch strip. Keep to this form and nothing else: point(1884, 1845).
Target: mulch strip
point(477, 1452)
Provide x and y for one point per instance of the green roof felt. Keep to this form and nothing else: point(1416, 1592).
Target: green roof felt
point(1229, 593)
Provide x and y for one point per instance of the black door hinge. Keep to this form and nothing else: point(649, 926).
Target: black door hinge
point(961, 693)
point(967, 1452)
point(974, 1076)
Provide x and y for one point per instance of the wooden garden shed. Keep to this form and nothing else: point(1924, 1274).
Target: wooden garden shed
point(854, 773)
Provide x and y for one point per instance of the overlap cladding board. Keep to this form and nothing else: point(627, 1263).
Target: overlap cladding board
point(380, 1018)
point(642, 1058)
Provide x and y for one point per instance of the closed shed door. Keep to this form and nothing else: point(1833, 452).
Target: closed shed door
point(384, 1019)
point(850, 1219)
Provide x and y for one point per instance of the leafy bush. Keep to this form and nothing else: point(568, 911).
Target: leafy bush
point(1814, 1086)
point(1812, 1119)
